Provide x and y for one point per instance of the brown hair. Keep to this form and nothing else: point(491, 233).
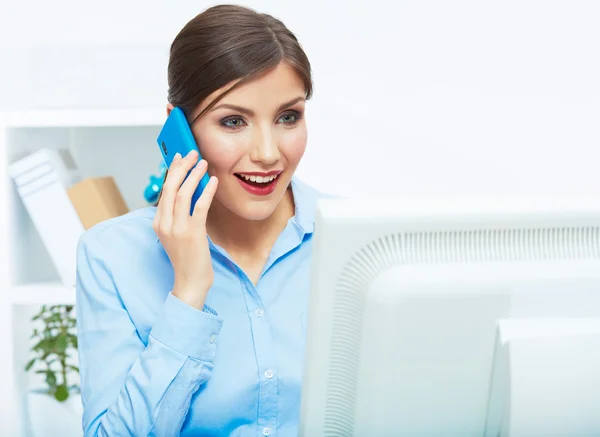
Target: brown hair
point(225, 44)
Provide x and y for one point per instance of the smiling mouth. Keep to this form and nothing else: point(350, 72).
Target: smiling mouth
point(257, 181)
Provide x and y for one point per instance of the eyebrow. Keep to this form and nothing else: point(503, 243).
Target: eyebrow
point(250, 112)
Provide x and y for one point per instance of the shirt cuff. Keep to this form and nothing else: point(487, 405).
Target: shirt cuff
point(187, 329)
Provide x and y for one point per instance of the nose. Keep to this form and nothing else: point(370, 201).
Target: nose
point(266, 147)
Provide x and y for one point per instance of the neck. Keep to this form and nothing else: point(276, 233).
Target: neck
point(234, 233)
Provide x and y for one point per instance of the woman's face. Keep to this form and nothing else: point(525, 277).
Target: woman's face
point(253, 140)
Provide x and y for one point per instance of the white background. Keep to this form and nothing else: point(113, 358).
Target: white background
point(411, 97)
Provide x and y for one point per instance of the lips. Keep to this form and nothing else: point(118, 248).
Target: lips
point(259, 184)
point(261, 178)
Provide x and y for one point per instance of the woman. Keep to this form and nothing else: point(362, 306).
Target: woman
point(201, 330)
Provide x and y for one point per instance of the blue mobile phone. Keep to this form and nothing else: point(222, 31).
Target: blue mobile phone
point(176, 136)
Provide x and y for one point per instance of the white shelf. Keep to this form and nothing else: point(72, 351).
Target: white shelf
point(44, 293)
point(86, 132)
point(84, 117)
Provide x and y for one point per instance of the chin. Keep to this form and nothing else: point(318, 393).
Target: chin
point(251, 207)
point(256, 210)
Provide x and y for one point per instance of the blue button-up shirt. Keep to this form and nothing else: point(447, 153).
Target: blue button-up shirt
point(153, 366)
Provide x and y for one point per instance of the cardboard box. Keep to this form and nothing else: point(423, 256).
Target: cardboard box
point(96, 200)
point(59, 210)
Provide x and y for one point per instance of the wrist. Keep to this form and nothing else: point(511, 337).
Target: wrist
point(192, 296)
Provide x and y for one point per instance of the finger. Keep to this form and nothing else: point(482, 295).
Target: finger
point(177, 171)
point(162, 202)
point(183, 201)
point(158, 203)
point(203, 203)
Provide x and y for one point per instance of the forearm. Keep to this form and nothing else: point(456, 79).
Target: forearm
point(155, 396)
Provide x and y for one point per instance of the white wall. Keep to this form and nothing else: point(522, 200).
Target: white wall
point(411, 97)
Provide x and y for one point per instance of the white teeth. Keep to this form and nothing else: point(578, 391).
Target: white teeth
point(259, 179)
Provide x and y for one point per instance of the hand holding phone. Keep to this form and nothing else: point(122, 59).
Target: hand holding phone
point(176, 137)
point(180, 220)
point(182, 235)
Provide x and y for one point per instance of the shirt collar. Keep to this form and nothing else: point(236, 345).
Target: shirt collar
point(305, 201)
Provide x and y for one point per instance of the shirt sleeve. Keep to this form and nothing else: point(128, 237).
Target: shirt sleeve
point(130, 388)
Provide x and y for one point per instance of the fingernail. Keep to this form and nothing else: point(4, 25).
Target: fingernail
point(177, 157)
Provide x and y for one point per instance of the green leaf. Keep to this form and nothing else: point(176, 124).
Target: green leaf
point(30, 364)
point(62, 393)
point(61, 343)
point(42, 345)
point(50, 378)
point(55, 338)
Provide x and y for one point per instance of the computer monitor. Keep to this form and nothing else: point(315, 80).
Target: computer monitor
point(406, 298)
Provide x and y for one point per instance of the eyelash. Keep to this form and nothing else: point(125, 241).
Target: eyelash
point(297, 117)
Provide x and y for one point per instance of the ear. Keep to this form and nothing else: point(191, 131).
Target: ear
point(169, 108)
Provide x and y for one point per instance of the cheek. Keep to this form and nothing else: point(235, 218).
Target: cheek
point(293, 145)
point(222, 150)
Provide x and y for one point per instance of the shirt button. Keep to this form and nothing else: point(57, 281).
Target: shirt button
point(269, 374)
point(259, 312)
point(266, 431)
point(212, 338)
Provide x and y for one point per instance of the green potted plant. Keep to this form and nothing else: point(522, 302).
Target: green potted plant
point(55, 408)
point(54, 349)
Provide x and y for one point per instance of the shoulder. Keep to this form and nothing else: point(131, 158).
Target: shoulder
point(308, 192)
point(121, 234)
point(306, 198)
